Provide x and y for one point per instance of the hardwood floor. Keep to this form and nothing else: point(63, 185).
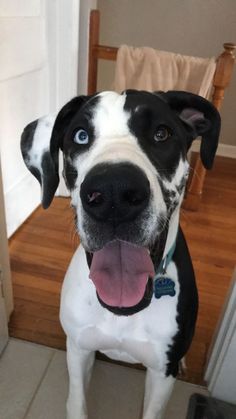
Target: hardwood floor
point(41, 250)
point(40, 253)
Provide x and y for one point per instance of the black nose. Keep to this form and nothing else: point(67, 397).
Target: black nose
point(115, 193)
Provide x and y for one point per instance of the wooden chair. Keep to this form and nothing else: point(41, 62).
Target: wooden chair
point(222, 77)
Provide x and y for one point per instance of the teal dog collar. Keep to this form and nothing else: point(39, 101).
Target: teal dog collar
point(164, 285)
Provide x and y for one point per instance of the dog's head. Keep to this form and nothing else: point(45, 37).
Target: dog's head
point(125, 164)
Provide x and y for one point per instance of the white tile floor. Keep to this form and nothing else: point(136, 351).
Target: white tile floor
point(34, 384)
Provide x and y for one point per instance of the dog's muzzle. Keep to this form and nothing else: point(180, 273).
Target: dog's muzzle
point(115, 197)
point(115, 194)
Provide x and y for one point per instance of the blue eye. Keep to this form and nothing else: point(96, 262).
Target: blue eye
point(81, 137)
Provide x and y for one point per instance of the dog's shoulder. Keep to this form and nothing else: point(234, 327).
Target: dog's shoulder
point(187, 306)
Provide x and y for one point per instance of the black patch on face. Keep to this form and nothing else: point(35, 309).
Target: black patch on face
point(148, 113)
point(81, 120)
point(70, 174)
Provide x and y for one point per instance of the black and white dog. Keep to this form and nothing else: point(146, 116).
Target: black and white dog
point(130, 289)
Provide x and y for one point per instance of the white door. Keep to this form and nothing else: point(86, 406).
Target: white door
point(24, 97)
point(38, 74)
point(39, 42)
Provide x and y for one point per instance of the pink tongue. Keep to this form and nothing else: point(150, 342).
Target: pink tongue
point(120, 272)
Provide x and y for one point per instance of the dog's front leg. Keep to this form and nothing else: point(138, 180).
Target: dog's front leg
point(158, 389)
point(79, 364)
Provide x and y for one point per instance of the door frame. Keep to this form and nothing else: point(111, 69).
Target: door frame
point(67, 23)
point(4, 255)
point(6, 295)
point(220, 370)
point(62, 27)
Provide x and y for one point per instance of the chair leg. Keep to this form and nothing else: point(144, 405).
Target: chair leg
point(195, 187)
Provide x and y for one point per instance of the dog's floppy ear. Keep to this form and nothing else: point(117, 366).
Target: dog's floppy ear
point(40, 143)
point(202, 119)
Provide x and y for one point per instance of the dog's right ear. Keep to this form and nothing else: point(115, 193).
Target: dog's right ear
point(40, 143)
point(201, 118)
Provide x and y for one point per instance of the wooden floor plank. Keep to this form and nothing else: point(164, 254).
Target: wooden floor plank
point(36, 295)
point(42, 248)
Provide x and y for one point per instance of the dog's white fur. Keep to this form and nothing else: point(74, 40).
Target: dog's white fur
point(143, 337)
point(140, 338)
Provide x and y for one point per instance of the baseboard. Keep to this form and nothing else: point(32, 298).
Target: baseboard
point(224, 150)
point(20, 201)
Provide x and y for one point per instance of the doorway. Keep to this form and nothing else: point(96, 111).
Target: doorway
point(41, 250)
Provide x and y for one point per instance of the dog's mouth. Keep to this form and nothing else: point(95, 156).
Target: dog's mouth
point(121, 273)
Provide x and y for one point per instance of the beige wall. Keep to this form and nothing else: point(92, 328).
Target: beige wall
point(192, 27)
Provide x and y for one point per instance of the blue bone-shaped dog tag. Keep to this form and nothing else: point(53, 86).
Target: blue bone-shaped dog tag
point(164, 286)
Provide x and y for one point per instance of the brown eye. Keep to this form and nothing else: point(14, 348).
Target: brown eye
point(162, 133)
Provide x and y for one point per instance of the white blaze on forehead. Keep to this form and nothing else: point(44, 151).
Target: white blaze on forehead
point(110, 119)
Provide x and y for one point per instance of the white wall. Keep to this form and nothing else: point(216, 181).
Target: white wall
point(6, 299)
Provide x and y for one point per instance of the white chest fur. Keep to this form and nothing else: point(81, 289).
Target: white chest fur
point(143, 337)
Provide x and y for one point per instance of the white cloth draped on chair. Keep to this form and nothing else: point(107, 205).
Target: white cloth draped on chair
point(148, 69)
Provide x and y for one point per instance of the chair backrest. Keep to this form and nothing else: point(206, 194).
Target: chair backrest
point(221, 80)
point(148, 69)
point(222, 77)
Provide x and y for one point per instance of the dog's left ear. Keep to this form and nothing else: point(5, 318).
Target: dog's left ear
point(201, 119)
point(40, 143)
